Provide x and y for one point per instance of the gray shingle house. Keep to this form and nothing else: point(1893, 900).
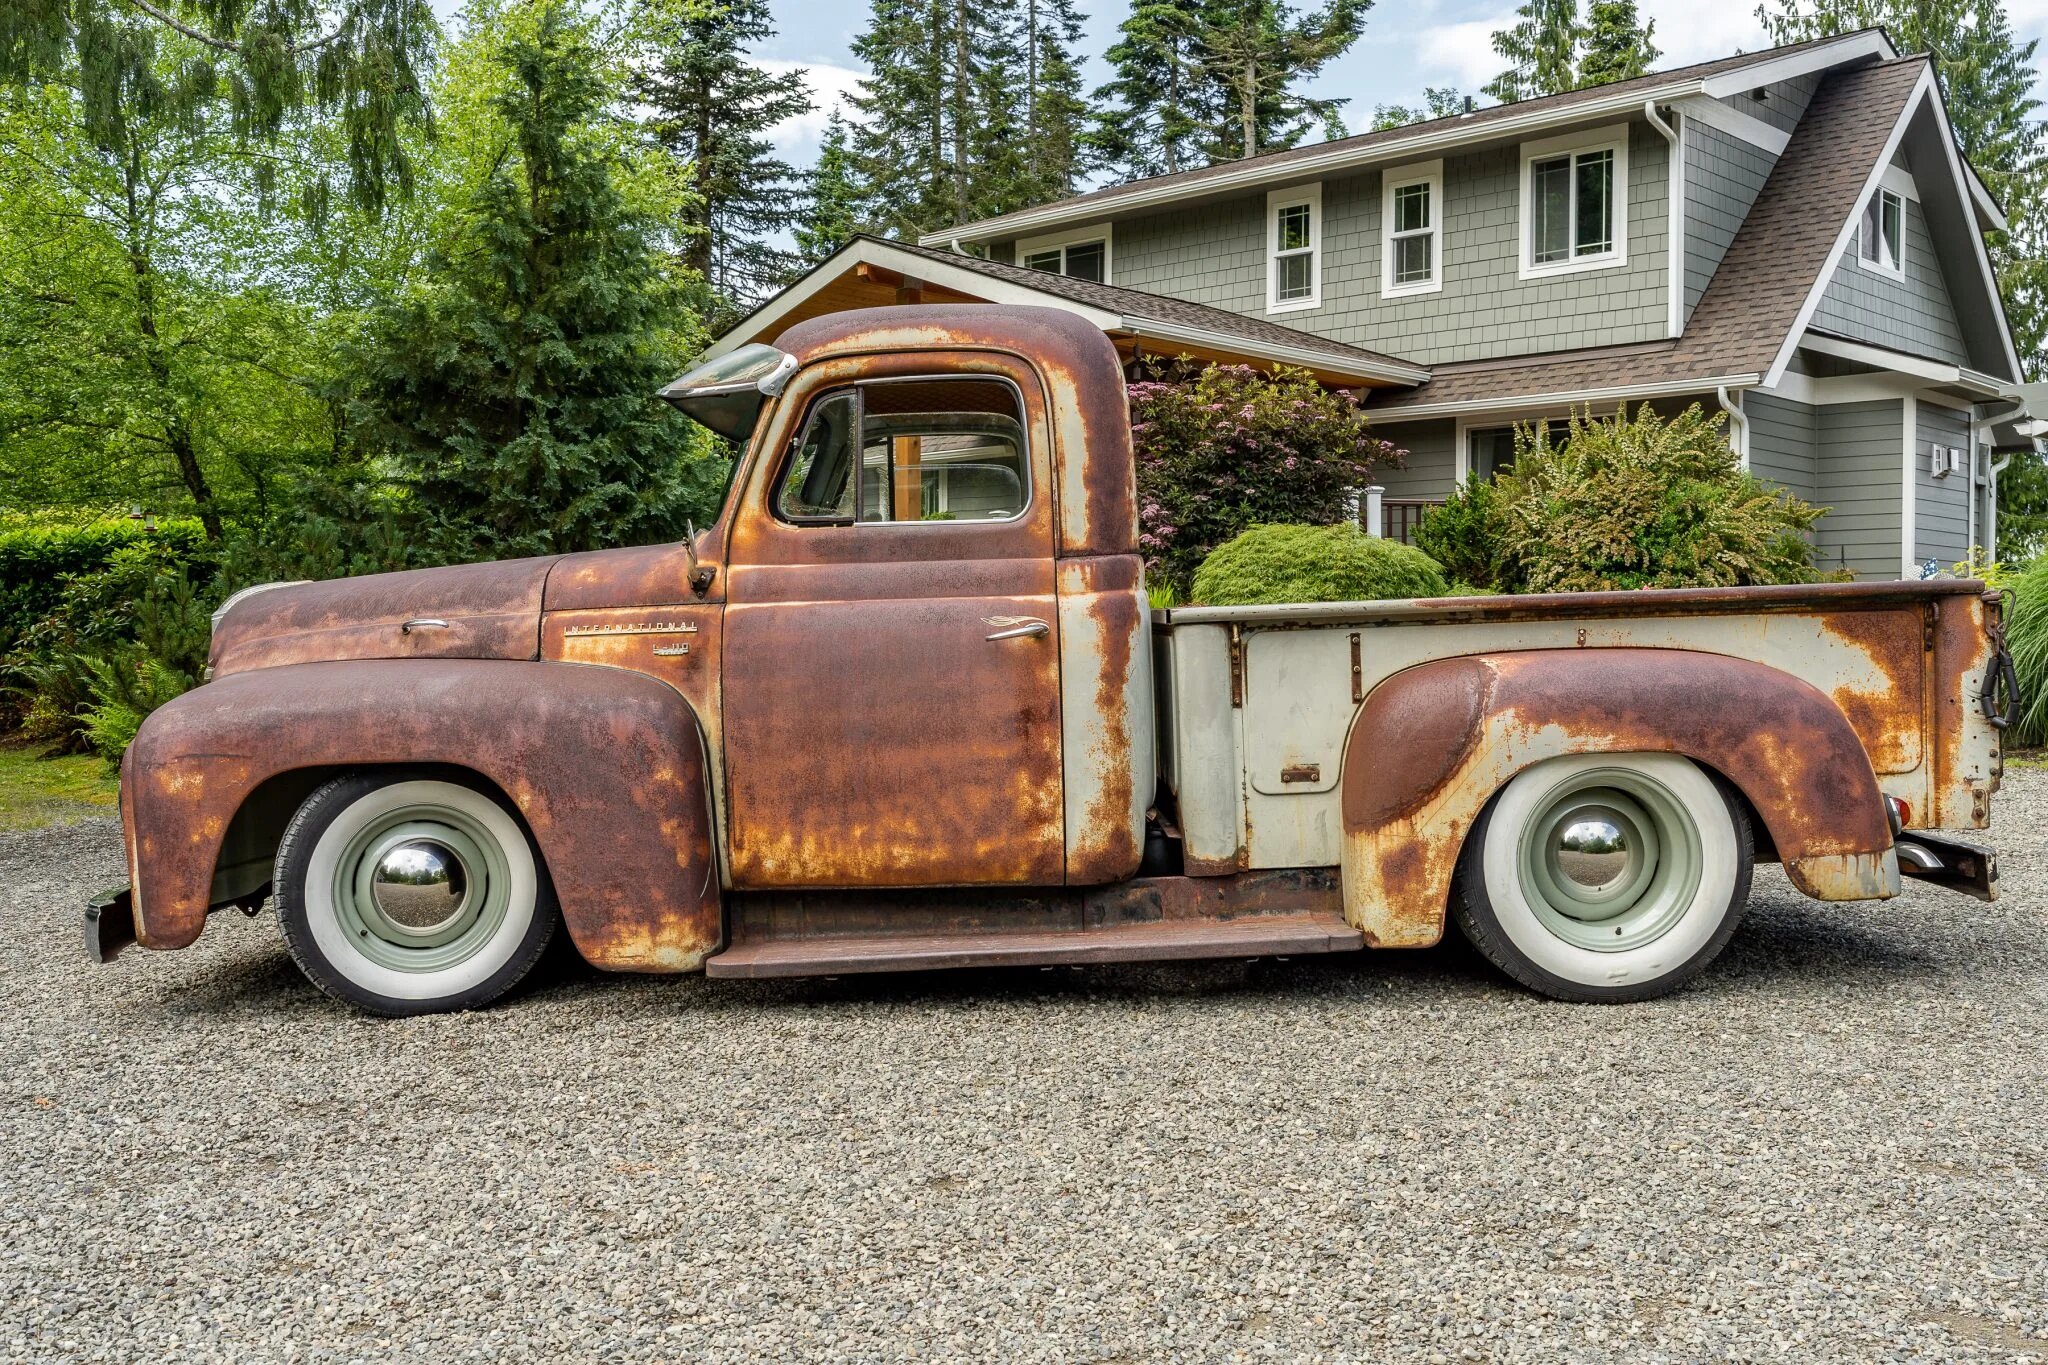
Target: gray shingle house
point(1790, 236)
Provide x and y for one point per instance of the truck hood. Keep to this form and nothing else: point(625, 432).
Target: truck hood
point(467, 611)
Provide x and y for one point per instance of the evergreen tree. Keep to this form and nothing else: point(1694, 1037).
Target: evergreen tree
point(1256, 52)
point(1618, 44)
point(1151, 114)
point(899, 143)
point(710, 107)
point(251, 65)
point(831, 212)
point(1055, 112)
point(515, 390)
point(1541, 49)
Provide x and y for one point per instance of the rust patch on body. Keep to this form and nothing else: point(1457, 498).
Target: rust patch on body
point(1482, 719)
point(605, 767)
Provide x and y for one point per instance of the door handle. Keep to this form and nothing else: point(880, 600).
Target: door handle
point(1016, 627)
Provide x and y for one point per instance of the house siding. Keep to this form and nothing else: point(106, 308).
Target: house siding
point(1723, 176)
point(1216, 254)
point(1784, 103)
point(1783, 441)
point(1431, 469)
point(1914, 314)
point(1941, 507)
point(1857, 475)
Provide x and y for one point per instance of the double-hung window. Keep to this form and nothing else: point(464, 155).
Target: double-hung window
point(1575, 203)
point(1294, 249)
point(1881, 239)
point(1411, 237)
point(1081, 255)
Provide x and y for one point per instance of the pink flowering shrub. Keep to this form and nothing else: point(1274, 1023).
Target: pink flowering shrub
point(1226, 448)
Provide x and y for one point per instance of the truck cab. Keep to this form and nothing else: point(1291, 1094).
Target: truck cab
point(903, 705)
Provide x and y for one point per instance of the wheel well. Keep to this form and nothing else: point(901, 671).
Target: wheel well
point(248, 850)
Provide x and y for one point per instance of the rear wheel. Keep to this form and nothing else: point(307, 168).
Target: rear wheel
point(1606, 877)
point(406, 893)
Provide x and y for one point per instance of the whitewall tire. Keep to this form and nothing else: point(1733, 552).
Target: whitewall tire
point(1606, 877)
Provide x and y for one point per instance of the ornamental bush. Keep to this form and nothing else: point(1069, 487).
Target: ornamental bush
point(1620, 503)
point(1225, 447)
point(2026, 635)
point(1280, 564)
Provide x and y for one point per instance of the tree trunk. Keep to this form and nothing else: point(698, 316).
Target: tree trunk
point(1248, 105)
point(177, 432)
point(960, 112)
point(698, 218)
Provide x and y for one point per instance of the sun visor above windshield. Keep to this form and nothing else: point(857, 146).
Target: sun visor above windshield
point(727, 394)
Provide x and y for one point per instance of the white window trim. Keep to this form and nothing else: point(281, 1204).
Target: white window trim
point(1895, 270)
point(1430, 173)
point(1276, 200)
point(1080, 236)
point(1613, 138)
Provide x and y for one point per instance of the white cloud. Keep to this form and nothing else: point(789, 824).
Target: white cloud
point(831, 85)
point(1461, 55)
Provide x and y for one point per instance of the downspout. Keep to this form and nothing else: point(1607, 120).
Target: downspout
point(1991, 481)
point(1738, 424)
point(958, 250)
point(1674, 221)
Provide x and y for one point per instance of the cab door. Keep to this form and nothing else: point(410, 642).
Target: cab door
point(892, 688)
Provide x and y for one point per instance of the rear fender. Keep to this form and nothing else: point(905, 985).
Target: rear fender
point(607, 767)
point(1432, 744)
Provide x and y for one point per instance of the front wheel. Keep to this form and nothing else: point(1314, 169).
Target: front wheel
point(405, 893)
point(1606, 877)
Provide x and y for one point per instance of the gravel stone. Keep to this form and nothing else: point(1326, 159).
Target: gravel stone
point(1829, 1148)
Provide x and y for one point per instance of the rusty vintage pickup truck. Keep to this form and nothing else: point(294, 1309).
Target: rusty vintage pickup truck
point(904, 705)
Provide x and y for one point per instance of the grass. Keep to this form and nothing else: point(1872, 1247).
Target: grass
point(36, 791)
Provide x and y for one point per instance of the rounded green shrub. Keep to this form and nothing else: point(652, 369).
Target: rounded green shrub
point(1282, 563)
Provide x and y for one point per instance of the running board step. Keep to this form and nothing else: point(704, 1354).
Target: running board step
point(1154, 941)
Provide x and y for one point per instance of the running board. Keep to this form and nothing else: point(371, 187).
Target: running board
point(1155, 941)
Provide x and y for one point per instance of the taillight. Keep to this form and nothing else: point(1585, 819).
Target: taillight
point(1898, 813)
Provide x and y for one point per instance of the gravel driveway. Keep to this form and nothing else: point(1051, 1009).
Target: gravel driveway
point(1831, 1148)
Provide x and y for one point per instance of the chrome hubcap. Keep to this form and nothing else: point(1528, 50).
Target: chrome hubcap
point(420, 885)
point(1611, 861)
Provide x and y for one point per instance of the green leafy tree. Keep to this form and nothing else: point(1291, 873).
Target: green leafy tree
point(248, 69)
point(513, 388)
point(1541, 49)
point(1619, 44)
point(832, 209)
point(710, 108)
point(1437, 102)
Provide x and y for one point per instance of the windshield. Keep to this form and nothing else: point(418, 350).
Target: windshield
point(727, 394)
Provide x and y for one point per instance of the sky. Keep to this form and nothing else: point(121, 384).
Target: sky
point(1408, 45)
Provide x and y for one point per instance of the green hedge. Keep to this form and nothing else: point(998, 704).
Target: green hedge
point(36, 560)
point(1282, 564)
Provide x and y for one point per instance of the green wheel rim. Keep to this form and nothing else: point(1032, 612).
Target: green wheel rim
point(1611, 861)
point(485, 896)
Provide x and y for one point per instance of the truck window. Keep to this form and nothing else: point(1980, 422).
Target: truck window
point(930, 450)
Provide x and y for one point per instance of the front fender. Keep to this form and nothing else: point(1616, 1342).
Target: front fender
point(1432, 744)
point(606, 766)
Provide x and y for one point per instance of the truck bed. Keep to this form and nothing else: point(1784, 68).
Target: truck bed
point(1256, 702)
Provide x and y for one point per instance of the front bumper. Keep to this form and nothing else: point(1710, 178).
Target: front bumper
point(109, 924)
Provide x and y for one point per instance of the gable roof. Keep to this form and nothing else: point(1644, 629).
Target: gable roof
point(1175, 325)
point(1728, 75)
point(1747, 320)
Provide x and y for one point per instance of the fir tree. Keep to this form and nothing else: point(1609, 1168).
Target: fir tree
point(1055, 112)
point(1150, 116)
point(710, 108)
point(1256, 52)
point(1618, 44)
point(831, 212)
point(1541, 50)
point(515, 390)
point(900, 139)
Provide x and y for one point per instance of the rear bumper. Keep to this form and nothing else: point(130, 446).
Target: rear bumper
point(1956, 864)
point(109, 924)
